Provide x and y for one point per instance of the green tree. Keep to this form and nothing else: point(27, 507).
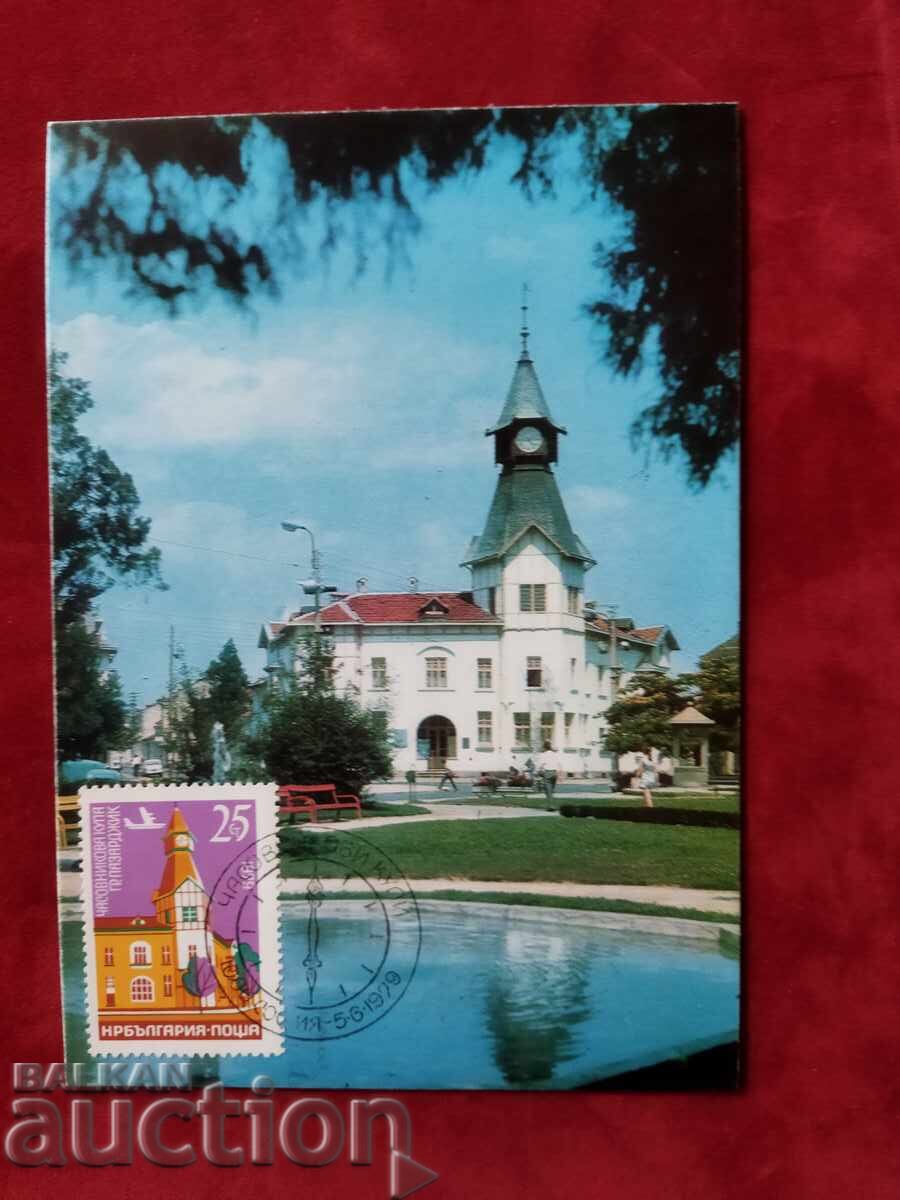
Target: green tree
point(188, 729)
point(161, 198)
point(313, 734)
point(99, 536)
point(131, 734)
point(718, 681)
point(90, 715)
point(641, 714)
point(228, 695)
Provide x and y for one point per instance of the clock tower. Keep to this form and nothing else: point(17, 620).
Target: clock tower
point(526, 445)
point(525, 433)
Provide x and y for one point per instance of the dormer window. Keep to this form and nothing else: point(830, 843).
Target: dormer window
point(533, 597)
point(434, 609)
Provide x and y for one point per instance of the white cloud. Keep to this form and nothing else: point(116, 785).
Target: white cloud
point(160, 385)
point(589, 500)
point(397, 391)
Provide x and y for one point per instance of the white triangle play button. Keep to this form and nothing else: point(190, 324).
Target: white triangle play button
point(407, 1175)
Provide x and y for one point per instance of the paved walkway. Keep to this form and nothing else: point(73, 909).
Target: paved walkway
point(673, 897)
point(438, 811)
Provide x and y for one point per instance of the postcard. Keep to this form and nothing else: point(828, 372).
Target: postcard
point(395, 494)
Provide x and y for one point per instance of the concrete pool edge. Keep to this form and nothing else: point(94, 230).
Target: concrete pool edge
point(681, 927)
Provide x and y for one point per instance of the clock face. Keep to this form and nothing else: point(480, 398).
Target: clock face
point(182, 839)
point(529, 440)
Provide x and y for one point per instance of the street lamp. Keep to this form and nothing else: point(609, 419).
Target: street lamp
point(312, 587)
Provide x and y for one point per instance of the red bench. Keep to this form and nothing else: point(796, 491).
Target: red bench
point(313, 799)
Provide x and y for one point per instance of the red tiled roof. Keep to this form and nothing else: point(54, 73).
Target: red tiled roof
point(649, 635)
point(379, 608)
point(146, 923)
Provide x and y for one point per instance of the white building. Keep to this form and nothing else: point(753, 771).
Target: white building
point(483, 678)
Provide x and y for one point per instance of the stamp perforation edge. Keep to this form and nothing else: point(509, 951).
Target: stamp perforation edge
point(264, 799)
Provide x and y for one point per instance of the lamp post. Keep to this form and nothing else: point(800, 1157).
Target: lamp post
point(314, 586)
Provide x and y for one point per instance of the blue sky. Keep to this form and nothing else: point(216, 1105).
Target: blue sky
point(357, 405)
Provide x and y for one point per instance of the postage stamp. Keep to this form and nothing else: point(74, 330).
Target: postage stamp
point(181, 929)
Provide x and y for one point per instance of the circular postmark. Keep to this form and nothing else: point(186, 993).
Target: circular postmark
point(350, 934)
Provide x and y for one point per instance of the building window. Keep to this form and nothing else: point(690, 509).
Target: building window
point(110, 991)
point(189, 913)
point(140, 954)
point(533, 673)
point(142, 988)
point(167, 985)
point(548, 728)
point(108, 959)
point(485, 673)
point(166, 955)
point(522, 729)
point(573, 663)
point(573, 595)
point(436, 672)
point(379, 673)
point(568, 722)
point(492, 600)
point(485, 729)
point(533, 597)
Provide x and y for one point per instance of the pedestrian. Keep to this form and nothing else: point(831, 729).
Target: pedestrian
point(646, 778)
point(448, 777)
point(548, 768)
point(625, 771)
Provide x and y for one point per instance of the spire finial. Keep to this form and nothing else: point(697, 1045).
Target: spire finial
point(523, 332)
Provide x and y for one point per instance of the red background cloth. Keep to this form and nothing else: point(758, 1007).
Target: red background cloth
point(818, 88)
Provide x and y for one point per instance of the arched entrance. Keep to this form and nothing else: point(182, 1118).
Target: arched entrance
point(436, 739)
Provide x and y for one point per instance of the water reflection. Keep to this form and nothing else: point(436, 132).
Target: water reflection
point(498, 1000)
point(536, 996)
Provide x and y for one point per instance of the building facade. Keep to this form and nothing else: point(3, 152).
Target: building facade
point(481, 679)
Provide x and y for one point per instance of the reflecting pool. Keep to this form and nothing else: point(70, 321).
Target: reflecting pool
point(498, 999)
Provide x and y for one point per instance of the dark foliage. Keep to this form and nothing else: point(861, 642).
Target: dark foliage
point(709, 819)
point(678, 279)
point(188, 730)
point(90, 714)
point(99, 536)
point(641, 714)
point(313, 734)
point(228, 694)
point(670, 281)
point(718, 681)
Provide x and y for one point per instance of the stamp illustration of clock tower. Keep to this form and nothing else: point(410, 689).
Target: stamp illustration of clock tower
point(172, 961)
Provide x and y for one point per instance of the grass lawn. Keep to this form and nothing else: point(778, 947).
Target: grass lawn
point(526, 800)
point(378, 808)
point(697, 800)
point(705, 801)
point(584, 903)
point(553, 850)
